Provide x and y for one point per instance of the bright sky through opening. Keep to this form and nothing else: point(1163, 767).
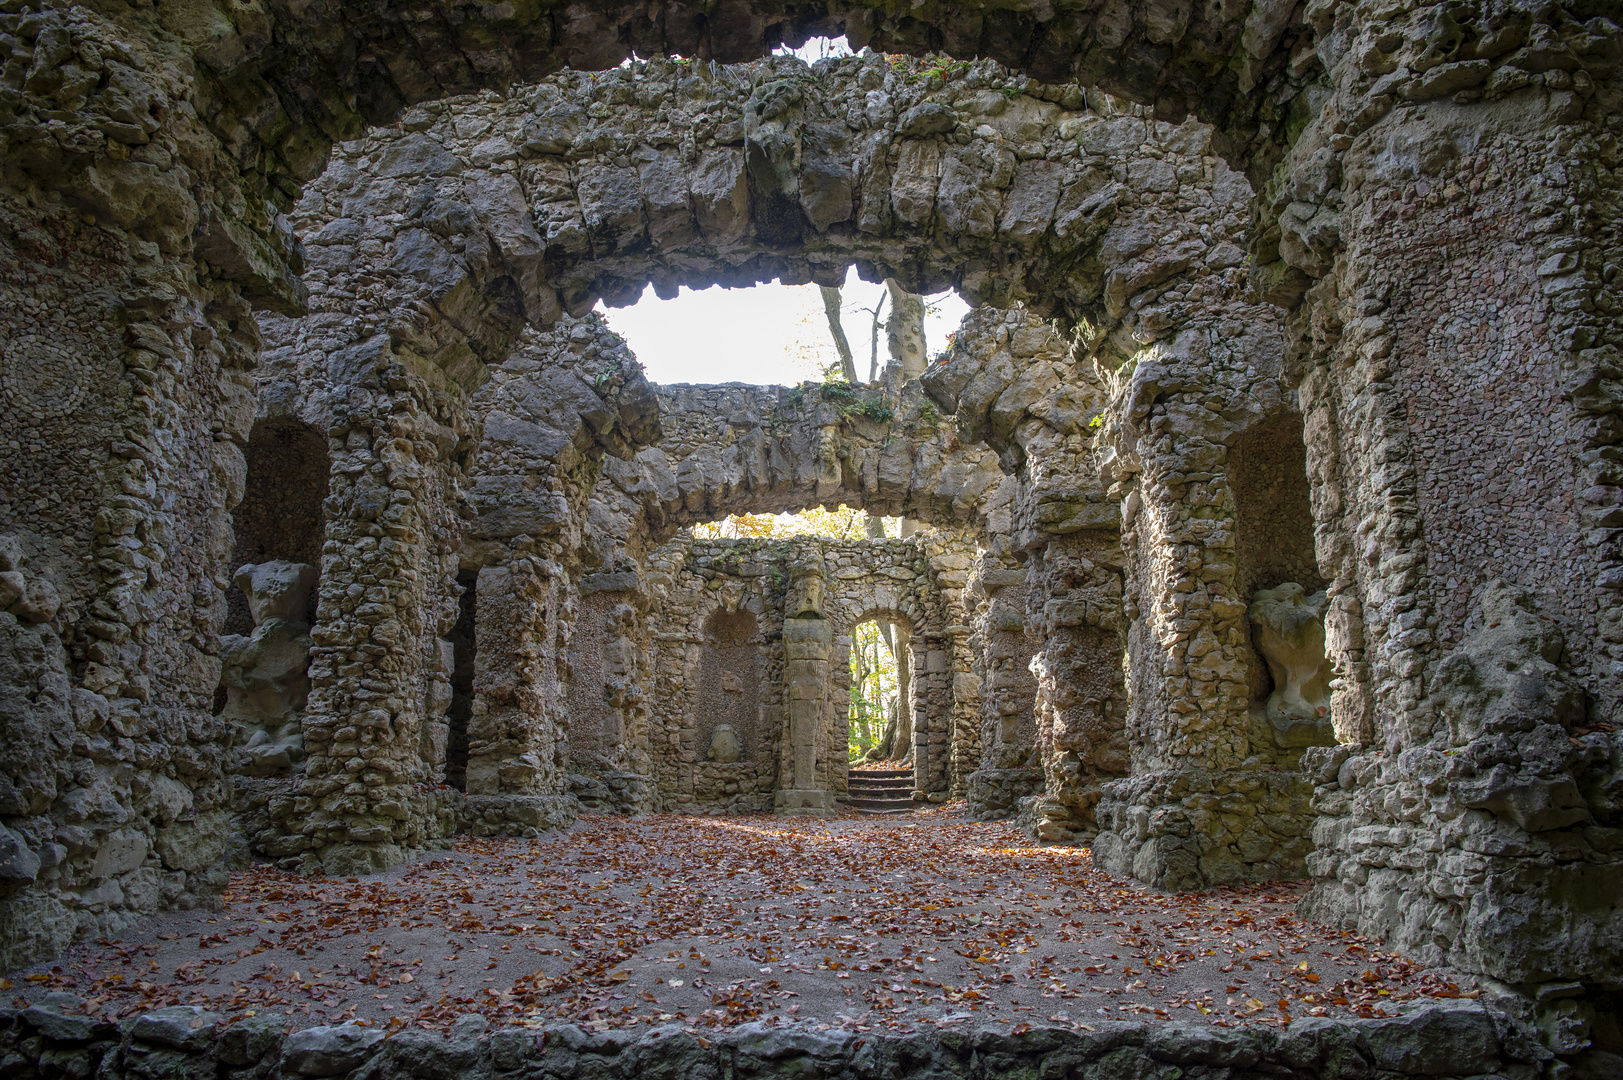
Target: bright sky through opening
point(769, 334)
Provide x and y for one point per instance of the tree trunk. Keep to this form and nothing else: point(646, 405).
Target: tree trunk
point(904, 706)
point(882, 748)
point(831, 308)
point(905, 331)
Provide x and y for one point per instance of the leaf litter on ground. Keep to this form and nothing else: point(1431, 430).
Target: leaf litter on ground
point(712, 922)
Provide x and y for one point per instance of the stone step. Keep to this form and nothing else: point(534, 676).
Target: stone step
point(860, 803)
point(882, 813)
point(899, 783)
point(881, 774)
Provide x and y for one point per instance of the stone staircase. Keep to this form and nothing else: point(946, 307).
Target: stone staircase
point(881, 792)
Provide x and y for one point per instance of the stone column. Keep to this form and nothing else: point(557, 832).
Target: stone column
point(1073, 598)
point(932, 681)
point(1010, 766)
point(1206, 804)
point(381, 611)
point(807, 645)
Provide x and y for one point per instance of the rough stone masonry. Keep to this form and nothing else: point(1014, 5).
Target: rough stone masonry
point(1295, 324)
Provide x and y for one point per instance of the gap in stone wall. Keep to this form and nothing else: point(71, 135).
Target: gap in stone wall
point(883, 697)
point(768, 334)
point(463, 654)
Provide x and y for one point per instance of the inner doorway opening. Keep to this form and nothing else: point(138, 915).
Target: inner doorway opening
point(877, 713)
point(879, 719)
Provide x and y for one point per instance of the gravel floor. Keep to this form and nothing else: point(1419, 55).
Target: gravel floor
point(709, 922)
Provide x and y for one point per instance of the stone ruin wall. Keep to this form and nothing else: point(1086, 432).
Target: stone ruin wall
point(1448, 211)
point(1520, 483)
point(1446, 460)
point(128, 404)
point(916, 582)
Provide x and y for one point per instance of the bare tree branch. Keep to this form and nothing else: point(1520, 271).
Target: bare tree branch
point(873, 343)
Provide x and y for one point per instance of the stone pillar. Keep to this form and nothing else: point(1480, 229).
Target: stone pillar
point(1074, 600)
point(807, 646)
point(964, 745)
point(932, 681)
point(1010, 766)
point(1206, 804)
point(386, 597)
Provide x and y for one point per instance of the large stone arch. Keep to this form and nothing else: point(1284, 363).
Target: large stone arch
point(297, 80)
point(154, 151)
point(740, 449)
point(502, 211)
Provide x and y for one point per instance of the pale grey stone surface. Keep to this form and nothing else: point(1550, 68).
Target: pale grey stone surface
point(1354, 327)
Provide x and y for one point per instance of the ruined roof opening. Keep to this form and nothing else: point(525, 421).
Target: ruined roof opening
point(817, 48)
point(841, 522)
point(775, 334)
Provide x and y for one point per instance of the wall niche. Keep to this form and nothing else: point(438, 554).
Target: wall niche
point(280, 516)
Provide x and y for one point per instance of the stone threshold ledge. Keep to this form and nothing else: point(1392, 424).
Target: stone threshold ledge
point(1442, 1039)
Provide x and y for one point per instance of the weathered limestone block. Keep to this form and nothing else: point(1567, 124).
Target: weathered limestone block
point(1507, 874)
point(612, 792)
point(1188, 828)
point(1505, 675)
point(265, 674)
point(267, 688)
point(1287, 626)
point(723, 744)
point(995, 794)
point(277, 589)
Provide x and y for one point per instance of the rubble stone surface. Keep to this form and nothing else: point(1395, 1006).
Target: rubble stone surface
point(1265, 294)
